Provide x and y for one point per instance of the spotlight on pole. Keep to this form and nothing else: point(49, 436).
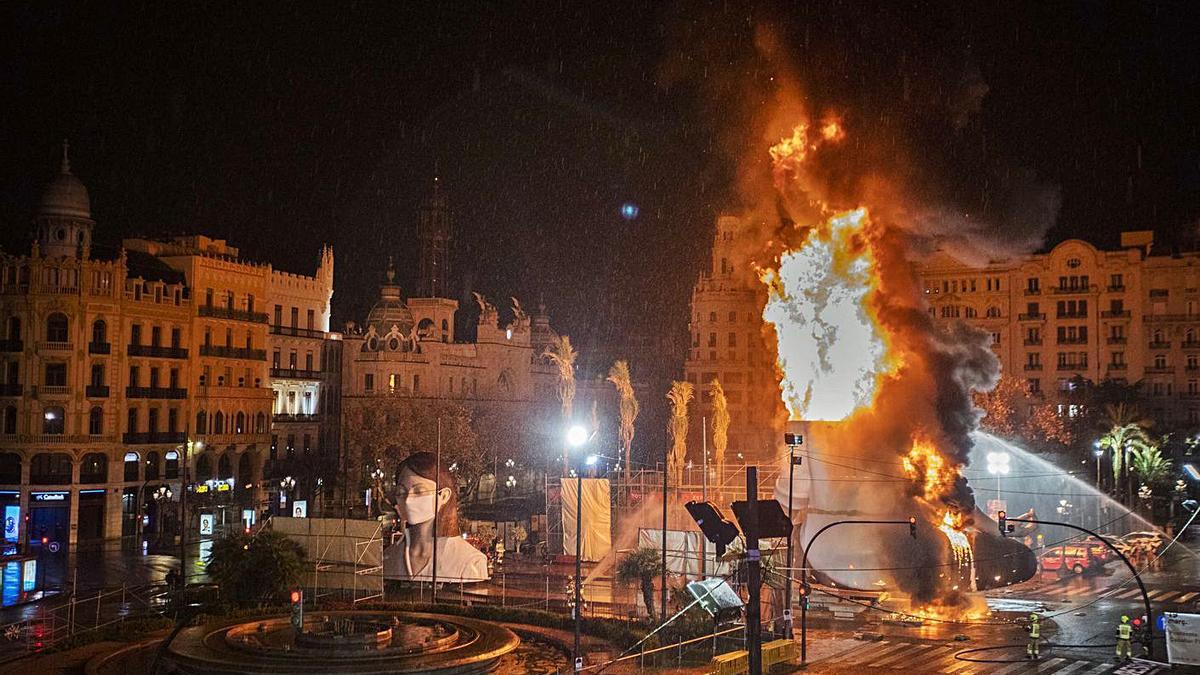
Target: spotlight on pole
point(577, 435)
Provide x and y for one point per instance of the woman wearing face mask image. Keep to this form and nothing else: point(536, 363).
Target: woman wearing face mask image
point(411, 558)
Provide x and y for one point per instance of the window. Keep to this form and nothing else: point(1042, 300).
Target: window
point(295, 317)
point(275, 359)
point(57, 328)
point(993, 312)
point(1033, 385)
point(14, 328)
point(308, 361)
point(307, 443)
point(176, 338)
point(733, 339)
point(260, 423)
point(1160, 361)
point(10, 468)
point(132, 462)
point(156, 336)
point(54, 420)
point(274, 452)
point(1031, 309)
point(1116, 282)
point(10, 419)
point(239, 423)
point(152, 420)
point(1118, 358)
point(292, 359)
point(99, 332)
point(201, 422)
point(1193, 362)
point(135, 334)
point(278, 315)
point(312, 320)
point(172, 468)
point(56, 375)
point(369, 382)
point(172, 420)
point(291, 446)
point(1033, 285)
point(712, 339)
point(203, 467)
point(131, 421)
point(995, 338)
point(50, 469)
point(151, 465)
point(218, 426)
point(96, 421)
point(733, 317)
point(154, 377)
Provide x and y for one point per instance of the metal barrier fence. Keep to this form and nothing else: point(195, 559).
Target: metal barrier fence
point(77, 615)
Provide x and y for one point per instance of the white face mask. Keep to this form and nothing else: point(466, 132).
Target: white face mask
point(419, 508)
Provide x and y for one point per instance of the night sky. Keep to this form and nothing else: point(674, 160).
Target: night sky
point(282, 126)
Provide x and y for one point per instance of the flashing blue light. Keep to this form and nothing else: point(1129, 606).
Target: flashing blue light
point(629, 211)
point(1191, 471)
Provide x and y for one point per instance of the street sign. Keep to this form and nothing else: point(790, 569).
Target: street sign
point(1183, 638)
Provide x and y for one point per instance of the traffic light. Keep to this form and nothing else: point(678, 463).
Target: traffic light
point(912, 526)
point(1002, 519)
point(298, 610)
point(805, 592)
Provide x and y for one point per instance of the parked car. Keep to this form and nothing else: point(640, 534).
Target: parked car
point(1068, 558)
point(1097, 548)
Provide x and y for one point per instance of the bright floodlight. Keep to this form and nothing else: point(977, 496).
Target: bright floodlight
point(997, 463)
point(591, 460)
point(577, 436)
point(1098, 453)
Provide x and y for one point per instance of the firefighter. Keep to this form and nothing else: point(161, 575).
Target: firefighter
point(1035, 635)
point(1124, 635)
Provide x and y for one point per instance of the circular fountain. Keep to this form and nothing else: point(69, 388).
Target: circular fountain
point(345, 642)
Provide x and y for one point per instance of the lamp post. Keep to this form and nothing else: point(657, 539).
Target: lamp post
point(183, 519)
point(1098, 453)
point(998, 466)
point(285, 486)
point(577, 437)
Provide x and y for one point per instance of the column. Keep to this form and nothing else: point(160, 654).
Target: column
point(73, 517)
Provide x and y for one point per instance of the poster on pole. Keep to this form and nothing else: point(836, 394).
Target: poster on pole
point(1183, 638)
point(301, 509)
point(206, 524)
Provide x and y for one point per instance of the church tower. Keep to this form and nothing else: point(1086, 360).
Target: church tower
point(435, 234)
point(64, 216)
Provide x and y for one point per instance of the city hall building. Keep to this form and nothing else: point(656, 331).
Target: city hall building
point(167, 366)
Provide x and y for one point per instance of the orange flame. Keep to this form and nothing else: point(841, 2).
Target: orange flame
point(925, 466)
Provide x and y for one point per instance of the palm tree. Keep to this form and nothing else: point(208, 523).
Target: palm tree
point(720, 424)
point(562, 355)
point(680, 396)
point(1146, 460)
point(641, 566)
point(628, 411)
point(256, 569)
point(1124, 425)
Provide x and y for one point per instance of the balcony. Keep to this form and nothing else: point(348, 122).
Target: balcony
point(297, 332)
point(1033, 342)
point(157, 352)
point(1118, 366)
point(1157, 370)
point(10, 346)
point(47, 346)
point(169, 393)
point(1033, 366)
point(96, 391)
point(13, 389)
point(1071, 315)
point(296, 373)
point(234, 314)
point(1156, 318)
point(233, 352)
point(99, 348)
point(54, 389)
point(1072, 290)
point(1113, 314)
point(1118, 288)
point(1162, 344)
point(294, 417)
point(1072, 366)
point(1191, 344)
point(1117, 340)
point(1031, 317)
point(147, 437)
point(1033, 291)
point(1071, 341)
point(55, 439)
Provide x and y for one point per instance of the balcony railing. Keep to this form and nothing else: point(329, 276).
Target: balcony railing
point(1114, 314)
point(294, 417)
point(297, 332)
point(1032, 317)
point(296, 373)
point(1191, 344)
point(1163, 370)
point(217, 312)
point(1071, 341)
point(99, 348)
point(13, 389)
point(1072, 290)
point(170, 393)
point(54, 389)
point(96, 391)
point(1155, 318)
point(49, 346)
point(147, 437)
point(233, 352)
point(1033, 366)
point(1033, 291)
point(1162, 344)
point(1117, 340)
point(1116, 288)
point(1072, 366)
point(1072, 315)
point(1033, 342)
point(10, 346)
point(54, 439)
point(157, 352)
point(1118, 366)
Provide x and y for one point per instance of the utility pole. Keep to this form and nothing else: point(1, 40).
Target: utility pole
point(703, 486)
point(753, 574)
point(666, 466)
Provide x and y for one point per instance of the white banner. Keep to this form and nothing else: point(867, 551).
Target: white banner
point(597, 518)
point(1183, 638)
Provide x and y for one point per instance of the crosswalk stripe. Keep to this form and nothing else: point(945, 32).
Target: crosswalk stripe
point(1073, 666)
point(1047, 666)
point(957, 665)
point(902, 654)
point(1161, 595)
point(1099, 669)
point(871, 652)
point(1185, 597)
point(1128, 594)
point(1012, 668)
point(925, 662)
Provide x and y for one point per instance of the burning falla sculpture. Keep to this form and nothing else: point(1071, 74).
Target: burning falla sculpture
point(889, 391)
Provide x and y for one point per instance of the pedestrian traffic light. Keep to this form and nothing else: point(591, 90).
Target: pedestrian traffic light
point(912, 526)
point(1002, 519)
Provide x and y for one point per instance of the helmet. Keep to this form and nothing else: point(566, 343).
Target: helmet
point(1034, 617)
point(1124, 619)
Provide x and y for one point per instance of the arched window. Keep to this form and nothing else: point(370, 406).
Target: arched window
point(172, 468)
point(425, 329)
point(260, 423)
point(54, 420)
point(131, 466)
point(993, 312)
point(151, 465)
point(201, 422)
point(219, 423)
point(57, 328)
point(224, 467)
point(239, 423)
point(203, 468)
point(14, 328)
point(48, 468)
point(445, 331)
point(99, 332)
point(10, 420)
point(94, 468)
point(10, 468)
point(96, 421)
point(244, 471)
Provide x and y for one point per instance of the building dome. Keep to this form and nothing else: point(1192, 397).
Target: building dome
point(65, 196)
point(390, 310)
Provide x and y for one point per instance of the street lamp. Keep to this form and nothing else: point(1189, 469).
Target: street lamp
point(998, 466)
point(285, 486)
point(577, 437)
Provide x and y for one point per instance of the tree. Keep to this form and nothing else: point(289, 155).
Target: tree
point(628, 410)
point(720, 424)
point(1011, 412)
point(1147, 461)
point(256, 569)
point(641, 567)
point(562, 355)
point(1124, 426)
point(680, 396)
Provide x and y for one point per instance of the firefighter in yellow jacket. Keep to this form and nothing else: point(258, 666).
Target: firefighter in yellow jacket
point(1035, 636)
point(1124, 636)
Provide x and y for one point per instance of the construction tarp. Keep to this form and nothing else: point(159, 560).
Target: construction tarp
point(343, 552)
point(683, 552)
point(597, 518)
